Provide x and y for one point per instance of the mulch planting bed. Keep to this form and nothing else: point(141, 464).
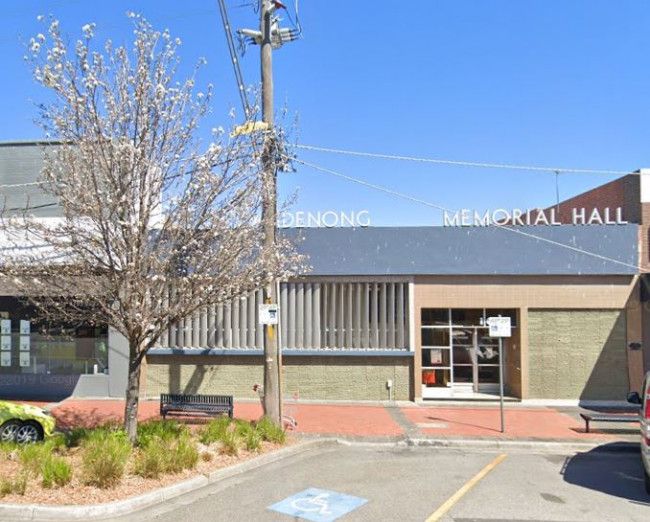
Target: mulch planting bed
point(78, 493)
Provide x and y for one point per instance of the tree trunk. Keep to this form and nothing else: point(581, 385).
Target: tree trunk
point(132, 395)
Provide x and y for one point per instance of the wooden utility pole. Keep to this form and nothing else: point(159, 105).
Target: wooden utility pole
point(272, 391)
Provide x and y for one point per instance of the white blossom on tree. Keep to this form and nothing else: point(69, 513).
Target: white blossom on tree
point(154, 227)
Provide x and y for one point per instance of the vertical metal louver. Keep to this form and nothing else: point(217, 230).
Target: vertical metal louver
point(314, 315)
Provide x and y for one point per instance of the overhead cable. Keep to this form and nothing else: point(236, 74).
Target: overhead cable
point(456, 163)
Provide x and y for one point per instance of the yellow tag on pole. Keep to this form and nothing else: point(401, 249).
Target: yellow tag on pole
point(249, 128)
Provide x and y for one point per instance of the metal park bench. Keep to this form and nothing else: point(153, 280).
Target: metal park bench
point(208, 405)
point(606, 417)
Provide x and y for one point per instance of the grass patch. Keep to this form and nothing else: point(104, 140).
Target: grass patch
point(34, 456)
point(233, 435)
point(166, 456)
point(150, 460)
point(161, 429)
point(183, 455)
point(250, 435)
point(215, 430)
point(56, 472)
point(7, 448)
point(206, 456)
point(76, 436)
point(17, 486)
point(231, 442)
point(105, 455)
point(270, 431)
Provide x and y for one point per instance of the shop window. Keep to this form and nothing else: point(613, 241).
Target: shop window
point(435, 357)
point(467, 316)
point(30, 345)
point(435, 337)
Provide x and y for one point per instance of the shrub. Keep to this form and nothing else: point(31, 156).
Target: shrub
point(16, 486)
point(270, 431)
point(215, 430)
point(163, 429)
point(56, 472)
point(105, 455)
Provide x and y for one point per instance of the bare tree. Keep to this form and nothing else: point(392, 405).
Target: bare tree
point(153, 227)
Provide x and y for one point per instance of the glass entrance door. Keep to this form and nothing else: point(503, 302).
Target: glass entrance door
point(487, 362)
point(457, 352)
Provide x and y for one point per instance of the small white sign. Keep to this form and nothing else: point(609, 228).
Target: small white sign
point(5, 326)
point(24, 359)
point(5, 358)
point(5, 342)
point(268, 314)
point(25, 327)
point(24, 343)
point(499, 326)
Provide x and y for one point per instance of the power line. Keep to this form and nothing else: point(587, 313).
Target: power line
point(16, 185)
point(408, 197)
point(239, 78)
point(456, 163)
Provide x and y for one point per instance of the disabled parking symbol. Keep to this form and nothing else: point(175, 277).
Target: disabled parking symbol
point(318, 505)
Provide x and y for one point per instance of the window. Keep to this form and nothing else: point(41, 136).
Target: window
point(29, 345)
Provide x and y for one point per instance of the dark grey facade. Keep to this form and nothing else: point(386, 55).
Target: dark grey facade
point(527, 250)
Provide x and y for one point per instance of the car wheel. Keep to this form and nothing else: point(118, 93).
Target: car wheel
point(29, 432)
point(647, 481)
point(9, 429)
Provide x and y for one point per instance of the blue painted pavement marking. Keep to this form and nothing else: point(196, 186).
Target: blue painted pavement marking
point(318, 505)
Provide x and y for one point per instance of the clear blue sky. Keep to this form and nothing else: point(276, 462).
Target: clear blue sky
point(548, 82)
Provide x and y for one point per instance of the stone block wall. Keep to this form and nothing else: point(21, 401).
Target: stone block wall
point(577, 354)
point(308, 377)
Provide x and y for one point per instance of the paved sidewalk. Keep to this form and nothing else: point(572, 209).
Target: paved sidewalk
point(387, 422)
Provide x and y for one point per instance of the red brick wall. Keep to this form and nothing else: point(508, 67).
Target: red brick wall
point(623, 192)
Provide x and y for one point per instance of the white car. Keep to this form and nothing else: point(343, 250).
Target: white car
point(643, 400)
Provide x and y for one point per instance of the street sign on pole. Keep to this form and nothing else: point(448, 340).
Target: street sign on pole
point(268, 314)
point(500, 327)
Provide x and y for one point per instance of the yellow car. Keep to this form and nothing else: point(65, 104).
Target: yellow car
point(24, 423)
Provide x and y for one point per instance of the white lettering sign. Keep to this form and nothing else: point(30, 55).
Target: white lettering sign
point(579, 216)
point(326, 219)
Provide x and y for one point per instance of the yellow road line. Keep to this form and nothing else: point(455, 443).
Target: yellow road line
point(451, 501)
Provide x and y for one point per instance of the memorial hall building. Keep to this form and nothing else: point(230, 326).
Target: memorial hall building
point(395, 313)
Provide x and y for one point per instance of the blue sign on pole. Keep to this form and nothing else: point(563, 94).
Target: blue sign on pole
point(318, 505)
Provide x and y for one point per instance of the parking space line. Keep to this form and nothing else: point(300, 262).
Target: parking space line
point(451, 501)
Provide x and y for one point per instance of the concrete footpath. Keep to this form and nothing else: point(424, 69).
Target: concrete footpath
point(391, 422)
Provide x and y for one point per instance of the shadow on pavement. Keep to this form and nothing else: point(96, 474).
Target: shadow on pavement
point(614, 469)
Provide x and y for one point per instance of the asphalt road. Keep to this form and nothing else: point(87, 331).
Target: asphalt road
point(411, 484)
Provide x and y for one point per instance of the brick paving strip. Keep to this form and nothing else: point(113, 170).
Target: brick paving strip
point(387, 422)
